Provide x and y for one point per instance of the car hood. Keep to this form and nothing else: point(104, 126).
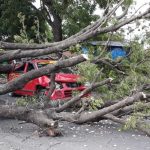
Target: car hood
point(61, 77)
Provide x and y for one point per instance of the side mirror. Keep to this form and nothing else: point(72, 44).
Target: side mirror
point(14, 62)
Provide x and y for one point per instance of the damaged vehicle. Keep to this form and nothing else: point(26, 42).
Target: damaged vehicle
point(65, 80)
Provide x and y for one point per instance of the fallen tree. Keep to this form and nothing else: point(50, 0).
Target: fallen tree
point(90, 31)
point(48, 118)
point(44, 118)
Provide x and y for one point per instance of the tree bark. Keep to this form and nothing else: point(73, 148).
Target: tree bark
point(55, 22)
point(38, 117)
point(57, 29)
point(44, 118)
point(6, 68)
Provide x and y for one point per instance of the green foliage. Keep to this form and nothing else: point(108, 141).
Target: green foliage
point(95, 103)
point(25, 101)
point(24, 36)
point(3, 76)
point(137, 116)
point(131, 123)
point(75, 49)
point(78, 15)
point(87, 71)
point(74, 15)
point(11, 24)
point(137, 69)
point(136, 66)
point(128, 2)
point(144, 112)
point(75, 93)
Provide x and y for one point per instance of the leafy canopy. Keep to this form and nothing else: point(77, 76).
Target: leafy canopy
point(10, 23)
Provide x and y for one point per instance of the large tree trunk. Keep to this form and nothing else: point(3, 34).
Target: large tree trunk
point(53, 18)
point(38, 117)
point(57, 30)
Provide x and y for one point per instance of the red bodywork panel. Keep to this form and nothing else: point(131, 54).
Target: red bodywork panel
point(61, 77)
point(66, 83)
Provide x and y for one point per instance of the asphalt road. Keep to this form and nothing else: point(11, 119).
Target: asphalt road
point(104, 135)
point(97, 136)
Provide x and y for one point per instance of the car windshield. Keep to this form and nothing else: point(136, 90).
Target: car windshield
point(41, 65)
point(45, 63)
point(64, 70)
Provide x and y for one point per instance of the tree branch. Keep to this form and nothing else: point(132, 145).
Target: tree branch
point(78, 97)
point(139, 125)
point(99, 113)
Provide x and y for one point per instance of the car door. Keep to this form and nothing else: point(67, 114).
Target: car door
point(18, 70)
point(30, 87)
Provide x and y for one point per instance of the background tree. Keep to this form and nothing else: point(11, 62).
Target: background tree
point(64, 17)
point(11, 23)
point(60, 15)
point(69, 16)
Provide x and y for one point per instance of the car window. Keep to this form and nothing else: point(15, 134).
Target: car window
point(73, 84)
point(20, 67)
point(30, 67)
point(64, 70)
point(41, 65)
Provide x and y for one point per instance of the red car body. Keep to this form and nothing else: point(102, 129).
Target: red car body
point(66, 83)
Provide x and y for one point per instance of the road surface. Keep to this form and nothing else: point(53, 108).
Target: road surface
point(104, 135)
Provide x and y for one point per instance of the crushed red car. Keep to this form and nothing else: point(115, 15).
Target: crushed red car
point(66, 82)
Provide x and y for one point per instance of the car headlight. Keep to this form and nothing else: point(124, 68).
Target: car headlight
point(58, 86)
